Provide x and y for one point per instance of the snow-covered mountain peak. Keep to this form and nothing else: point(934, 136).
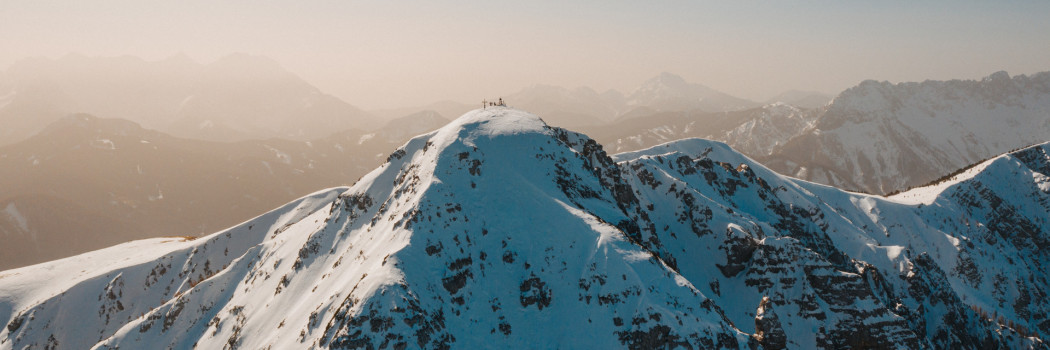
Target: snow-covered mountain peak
point(491, 122)
point(666, 79)
point(493, 229)
point(500, 229)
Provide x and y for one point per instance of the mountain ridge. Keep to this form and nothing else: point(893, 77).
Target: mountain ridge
point(686, 244)
point(880, 137)
point(237, 97)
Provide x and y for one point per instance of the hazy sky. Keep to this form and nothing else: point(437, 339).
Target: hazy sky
point(378, 54)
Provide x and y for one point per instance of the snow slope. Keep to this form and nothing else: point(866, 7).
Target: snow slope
point(499, 229)
point(854, 266)
point(418, 253)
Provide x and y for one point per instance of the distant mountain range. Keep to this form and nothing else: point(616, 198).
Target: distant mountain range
point(756, 131)
point(880, 137)
point(584, 107)
point(669, 92)
point(663, 94)
point(500, 229)
point(245, 97)
point(876, 137)
point(238, 97)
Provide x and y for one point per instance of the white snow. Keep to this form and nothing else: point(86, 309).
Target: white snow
point(283, 277)
point(497, 220)
point(926, 195)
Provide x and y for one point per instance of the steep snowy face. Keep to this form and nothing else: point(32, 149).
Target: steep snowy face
point(923, 270)
point(496, 229)
point(76, 302)
point(880, 137)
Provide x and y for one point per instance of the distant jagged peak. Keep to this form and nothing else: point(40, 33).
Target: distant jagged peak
point(872, 99)
point(179, 57)
point(671, 92)
point(668, 79)
point(243, 59)
point(665, 83)
point(1000, 79)
point(251, 67)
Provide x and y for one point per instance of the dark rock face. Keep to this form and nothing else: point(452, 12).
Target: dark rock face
point(428, 313)
point(782, 247)
point(802, 270)
point(768, 331)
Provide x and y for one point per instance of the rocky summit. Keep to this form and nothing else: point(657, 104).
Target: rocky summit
point(501, 229)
